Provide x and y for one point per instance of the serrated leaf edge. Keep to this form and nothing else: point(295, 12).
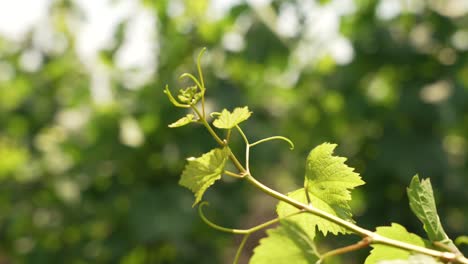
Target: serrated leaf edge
point(232, 119)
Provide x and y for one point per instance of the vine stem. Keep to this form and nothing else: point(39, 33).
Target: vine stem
point(361, 244)
point(242, 231)
point(373, 237)
point(232, 174)
point(291, 145)
point(245, 232)
point(247, 150)
point(202, 86)
point(221, 142)
point(241, 246)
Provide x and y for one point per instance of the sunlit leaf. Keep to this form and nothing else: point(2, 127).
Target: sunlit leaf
point(422, 203)
point(285, 244)
point(383, 252)
point(228, 120)
point(308, 222)
point(328, 181)
point(200, 173)
point(183, 121)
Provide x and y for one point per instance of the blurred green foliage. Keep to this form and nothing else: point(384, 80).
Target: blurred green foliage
point(89, 182)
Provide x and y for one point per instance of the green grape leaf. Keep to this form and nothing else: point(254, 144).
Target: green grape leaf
point(287, 243)
point(228, 120)
point(383, 252)
point(183, 121)
point(461, 240)
point(422, 203)
point(328, 181)
point(200, 173)
point(306, 221)
point(413, 259)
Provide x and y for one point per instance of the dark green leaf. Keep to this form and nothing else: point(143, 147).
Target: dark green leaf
point(422, 203)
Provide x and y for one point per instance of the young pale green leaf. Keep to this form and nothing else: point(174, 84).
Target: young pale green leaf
point(383, 252)
point(285, 244)
point(328, 181)
point(183, 121)
point(308, 222)
point(200, 173)
point(461, 240)
point(422, 203)
point(228, 120)
point(413, 259)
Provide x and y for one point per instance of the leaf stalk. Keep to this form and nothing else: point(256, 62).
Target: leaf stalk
point(241, 231)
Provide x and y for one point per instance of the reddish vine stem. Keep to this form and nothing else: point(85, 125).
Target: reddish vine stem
point(359, 245)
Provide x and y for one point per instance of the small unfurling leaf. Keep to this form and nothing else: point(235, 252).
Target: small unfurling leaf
point(189, 95)
point(183, 121)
